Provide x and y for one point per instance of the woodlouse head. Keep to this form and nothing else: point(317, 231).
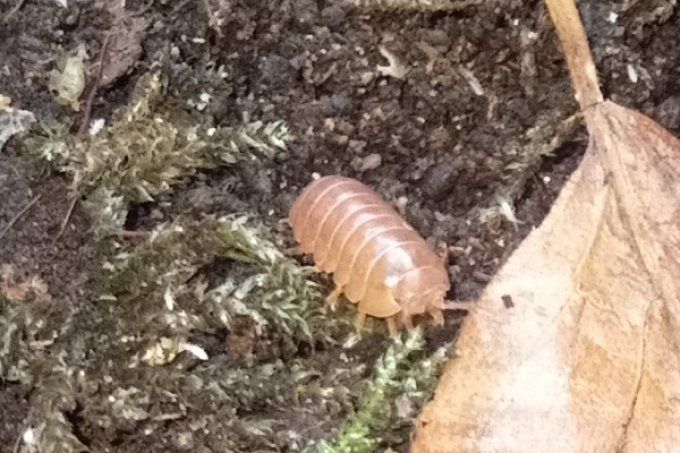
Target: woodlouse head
point(422, 290)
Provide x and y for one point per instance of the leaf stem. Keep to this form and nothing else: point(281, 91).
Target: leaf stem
point(577, 51)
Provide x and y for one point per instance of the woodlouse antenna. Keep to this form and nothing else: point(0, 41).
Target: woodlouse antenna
point(451, 305)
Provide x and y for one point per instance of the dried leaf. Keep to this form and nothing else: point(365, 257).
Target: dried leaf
point(586, 357)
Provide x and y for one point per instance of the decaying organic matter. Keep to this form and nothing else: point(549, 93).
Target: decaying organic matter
point(376, 258)
point(586, 357)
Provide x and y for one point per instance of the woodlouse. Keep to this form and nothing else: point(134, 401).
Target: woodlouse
point(376, 258)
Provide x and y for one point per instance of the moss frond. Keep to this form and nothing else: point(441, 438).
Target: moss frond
point(148, 149)
point(273, 291)
point(404, 376)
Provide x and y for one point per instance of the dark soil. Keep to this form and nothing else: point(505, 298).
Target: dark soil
point(442, 142)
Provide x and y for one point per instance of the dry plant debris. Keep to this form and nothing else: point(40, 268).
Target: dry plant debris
point(585, 358)
point(418, 5)
point(12, 120)
point(67, 82)
point(21, 291)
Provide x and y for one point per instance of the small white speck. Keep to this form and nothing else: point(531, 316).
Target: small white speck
point(111, 399)
point(316, 176)
point(29, 436)
point(395, 67)
point(198, 40)
point(532, 35)
point(204, 100)
point(270, 212)
point(547, 179)
point(148, 431)
point(515, 22)
point(194, 350)
point(96, 126)
point(169, 299)
point(401, 204)
point(613, 17)
point(472, 81)
point(507, 211)
point(632, 75)
point(211, 131)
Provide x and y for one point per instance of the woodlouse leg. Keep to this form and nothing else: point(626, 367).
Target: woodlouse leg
point(392, 327)
point(438, 317)
point(359, 322)
point(332, 298)
point(406, 319)
point(293, 251)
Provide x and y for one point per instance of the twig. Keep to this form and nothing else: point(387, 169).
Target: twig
point(18, 216)
point(67, 218)
point(14, 10)
point(90, 100)
point(128, 234)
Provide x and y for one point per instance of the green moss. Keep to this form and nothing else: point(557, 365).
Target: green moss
point(404, 378)
point(273, 291)
point(150, 147)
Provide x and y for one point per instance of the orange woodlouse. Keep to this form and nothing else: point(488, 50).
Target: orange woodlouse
point(376, 258)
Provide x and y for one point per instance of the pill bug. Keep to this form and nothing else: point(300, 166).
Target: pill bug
point(377, 259)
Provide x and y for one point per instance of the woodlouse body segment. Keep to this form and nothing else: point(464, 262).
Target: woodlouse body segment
point(377, 259)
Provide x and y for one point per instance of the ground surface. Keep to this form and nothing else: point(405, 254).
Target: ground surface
point(485, 89)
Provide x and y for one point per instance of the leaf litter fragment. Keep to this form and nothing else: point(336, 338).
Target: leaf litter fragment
point(12, 120)
point(586, 357)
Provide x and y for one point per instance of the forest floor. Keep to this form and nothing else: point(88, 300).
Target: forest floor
point(470, 131)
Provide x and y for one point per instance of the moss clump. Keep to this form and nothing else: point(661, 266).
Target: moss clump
point(404, 378)
point(150, 147)
point(26, 339)
point(271, 290)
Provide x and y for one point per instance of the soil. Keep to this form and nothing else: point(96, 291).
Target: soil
point(443, 142)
